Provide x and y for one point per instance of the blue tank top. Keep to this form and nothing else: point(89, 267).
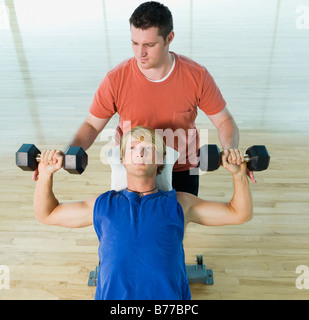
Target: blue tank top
point(141, 247)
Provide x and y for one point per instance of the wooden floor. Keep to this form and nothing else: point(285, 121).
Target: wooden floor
point(49, 70)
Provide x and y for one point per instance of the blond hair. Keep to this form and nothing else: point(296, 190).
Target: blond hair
point(148, 135)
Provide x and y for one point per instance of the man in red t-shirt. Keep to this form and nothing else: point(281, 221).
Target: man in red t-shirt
point(161, 90)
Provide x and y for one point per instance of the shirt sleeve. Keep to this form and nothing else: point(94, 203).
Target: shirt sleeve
point(211, 100)
point(103, 104)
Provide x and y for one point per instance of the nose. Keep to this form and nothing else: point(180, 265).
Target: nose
point(141, 51)
point(141, 152)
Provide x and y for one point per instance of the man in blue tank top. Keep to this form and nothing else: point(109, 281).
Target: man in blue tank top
point(141, 229)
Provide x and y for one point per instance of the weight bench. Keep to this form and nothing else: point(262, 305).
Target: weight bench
point(196, 273)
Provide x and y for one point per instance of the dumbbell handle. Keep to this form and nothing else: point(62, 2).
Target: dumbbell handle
point(38, 157)
point(246, 157)
point(257, 158)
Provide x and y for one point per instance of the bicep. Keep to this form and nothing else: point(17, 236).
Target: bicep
point(72, 214)
point(207, 213)
point(97, 123)
point(210, 213)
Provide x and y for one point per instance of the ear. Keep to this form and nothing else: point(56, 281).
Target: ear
point(170, 37)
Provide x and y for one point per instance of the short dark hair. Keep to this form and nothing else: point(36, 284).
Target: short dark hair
point(153, 14)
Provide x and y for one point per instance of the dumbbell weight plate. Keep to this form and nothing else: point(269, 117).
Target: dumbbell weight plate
point(26, 157)
point(259, 158)
point(76, 160)
point(209, 156)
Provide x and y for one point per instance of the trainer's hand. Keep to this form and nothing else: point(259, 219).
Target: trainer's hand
point(234, 157)
point(50, 162)
point(237, 165)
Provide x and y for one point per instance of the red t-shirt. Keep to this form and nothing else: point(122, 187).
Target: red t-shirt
point(170, 105)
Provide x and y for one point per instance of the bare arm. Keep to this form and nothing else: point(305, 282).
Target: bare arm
point(47, 208)
point(228, 136)
point(88, 132)
point(237, 211)
point(227, 129)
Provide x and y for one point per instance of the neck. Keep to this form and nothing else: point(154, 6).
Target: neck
point(160, 71)
point(143, 186)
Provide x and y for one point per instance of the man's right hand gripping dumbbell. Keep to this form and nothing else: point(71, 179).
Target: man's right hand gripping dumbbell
point(28, 158)
point(257, 158)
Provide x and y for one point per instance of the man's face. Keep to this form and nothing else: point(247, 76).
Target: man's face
point(139, 158)
point(150, 49)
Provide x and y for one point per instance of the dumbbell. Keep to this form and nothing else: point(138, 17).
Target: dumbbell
point(257, 158)
point(28, 157)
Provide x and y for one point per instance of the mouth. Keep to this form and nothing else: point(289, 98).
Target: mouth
point(143, 60)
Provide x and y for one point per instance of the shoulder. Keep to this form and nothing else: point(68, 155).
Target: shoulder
point(168, 194)
point(106, 196)
point(186, 200)
point(121, 68)
point(192, 71)
point(110, 194)
point(190, 64)
point(182, 198)
point(167, 197)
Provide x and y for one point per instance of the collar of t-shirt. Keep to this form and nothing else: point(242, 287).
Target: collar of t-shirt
point(163, 79)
